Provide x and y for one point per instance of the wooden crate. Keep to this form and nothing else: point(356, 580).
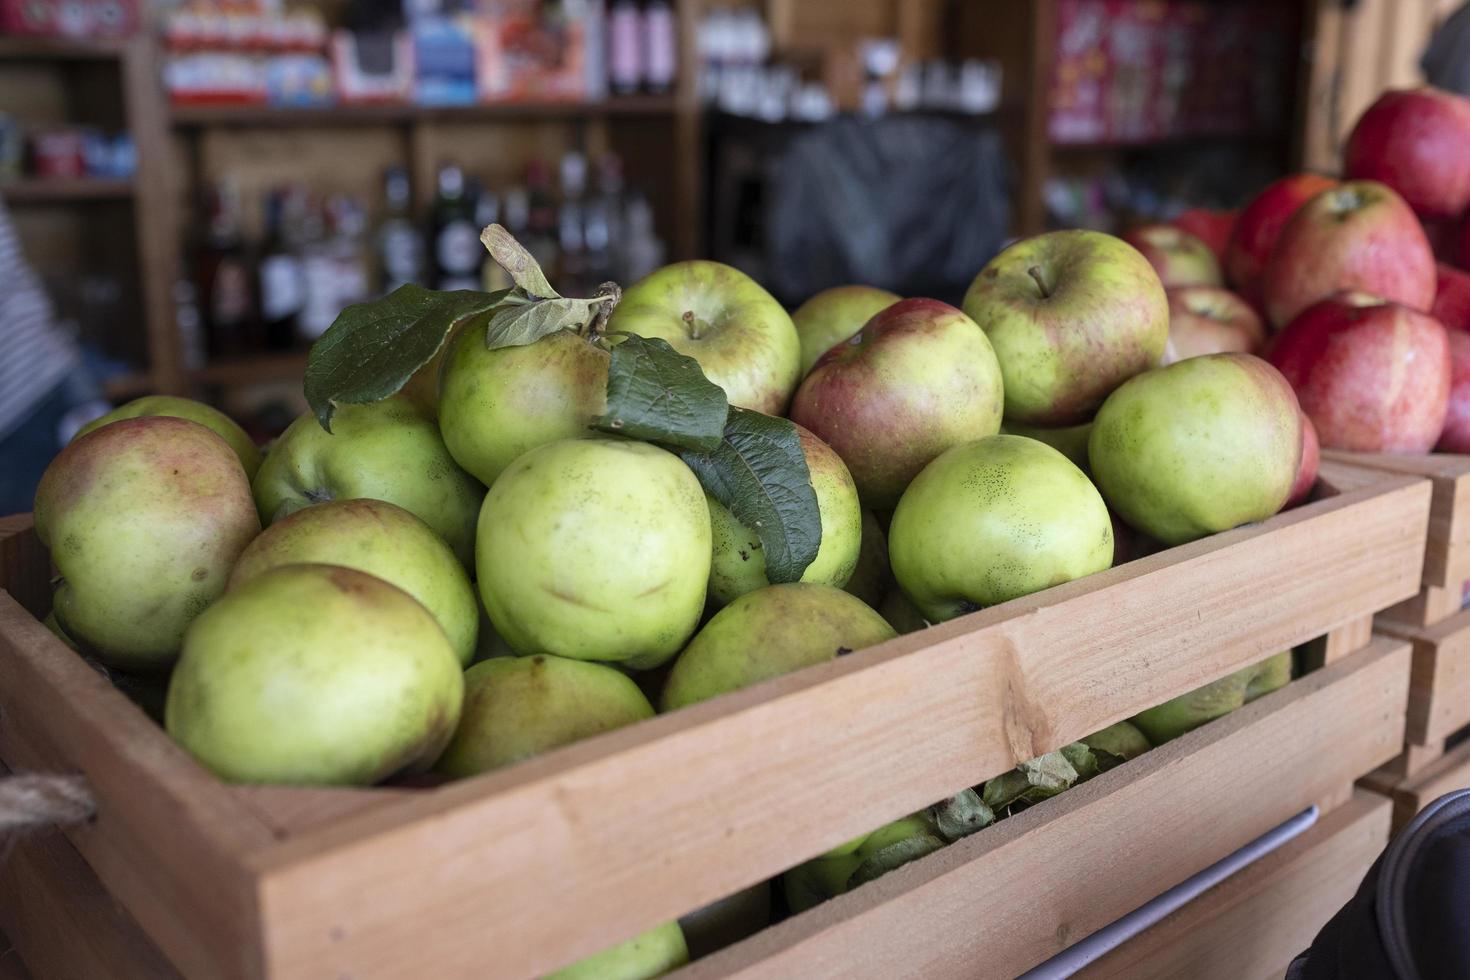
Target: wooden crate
point(517, 872)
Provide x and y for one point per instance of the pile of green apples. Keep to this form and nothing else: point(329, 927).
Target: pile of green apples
point(462, 563)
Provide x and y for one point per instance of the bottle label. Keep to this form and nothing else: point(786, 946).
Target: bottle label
point(659, 41)
point(458, 249)
point(402, 254)
point(624, 57)
point(230, 302)
point(281, 290)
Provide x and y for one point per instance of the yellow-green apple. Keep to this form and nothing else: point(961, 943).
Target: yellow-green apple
point(1414, 141)
point(1359, 235)
point(495, 405)
point(1306, 472)
point(381, 539)
point(1187, 712)
point(1455, 437)
point(388, 450)
point(315, 674)
point(739, 564)
point(1452, 298)
point(1071, 315)
point(517, 707)
point(1214, 228)
point(1260, 224)
point(739, 334)
point(186, 408)
point(832, 874)
point(1069, 440)
point(649, 954)
point(595, 549)
point(1198, 447)
point(833, 315)
point(918, 378)
point(994, 520)
point(1209, 320)
point(1373, 376)
point(870, 577)
point(1178, 257)
point(767, 633)
point(144, 519)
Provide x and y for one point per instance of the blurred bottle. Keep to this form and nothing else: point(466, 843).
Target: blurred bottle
point(188, 321)
point(645, 250)
point(607, 224)
point(282, 285)
point(349, 250)
point(400, 247)
point(540, 237)
point(625, 43)
point(660, 46)
point(571, 226)
point(224, 275)
point(455, 247)
point(319, 305)
point(487, 212)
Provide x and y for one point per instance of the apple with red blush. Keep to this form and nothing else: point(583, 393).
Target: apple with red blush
point(1178, 257)
point(1214, 228)
point(1455, 438)
point(1259, 225)
point(1210, 320)
point(1452, 298)
point(1416, 141)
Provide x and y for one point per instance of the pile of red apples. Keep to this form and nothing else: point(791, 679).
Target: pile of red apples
point(1355, 288)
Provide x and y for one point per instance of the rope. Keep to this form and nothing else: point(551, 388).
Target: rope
point(31, 801)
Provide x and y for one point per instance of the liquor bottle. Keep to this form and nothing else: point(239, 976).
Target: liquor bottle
point(319, 305)
point(348, 249)
point(624, 55)
point(607, 224)
point(282, 287)
point(570, 225)
point(645, 250)
point(541, 226)
point(399, 244)
point(224, 275)
point(455, 239)
point(660, 46)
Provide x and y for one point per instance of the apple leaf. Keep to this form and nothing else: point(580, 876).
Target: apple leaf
point(656, 394)
point(518, 263)
point(893, 857)
point(759, 472)
point(518, 322)
point(961, 815)
point(372, 349)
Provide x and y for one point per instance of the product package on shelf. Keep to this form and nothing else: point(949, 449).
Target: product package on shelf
point(527, 52)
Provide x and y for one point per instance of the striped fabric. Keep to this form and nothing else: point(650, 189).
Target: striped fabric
point(34, 355)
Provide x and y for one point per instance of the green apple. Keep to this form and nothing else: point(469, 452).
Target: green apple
point(870, 576)
point(1218, 698)
point(1072, 315)
point(381, 539)
point(495, 405)
point(517, 707)
point(1116, 744)
point(767, 633)
point(595, 549)
point(388, 450)
point(993, 520)
point(1199, 446)
point(917, 379)
point(186, 408)
point(1069, 440)
point(727, 921)
point(739, 566)
point(315, 675)
point(144, 518)
point(722, 318)
point(646, 955)
point(833, 873)
point(833, 315)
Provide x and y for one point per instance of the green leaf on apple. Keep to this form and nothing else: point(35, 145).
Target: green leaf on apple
point(518, 263)
point(372, 349)
point(961, 815)
point(518, 322)
point(656, 394)
point(893, 857)
point(759, 472)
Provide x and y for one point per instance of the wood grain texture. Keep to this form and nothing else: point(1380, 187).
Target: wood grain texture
point(1279, 755)
point(1439, 693)
point(1449, 772)
point(605, 838)
point(1253, 923)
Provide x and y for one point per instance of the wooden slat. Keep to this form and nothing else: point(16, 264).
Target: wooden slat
point(605, 838)
point(924, 921)
point(1449, 772)
point(292, 810)
point(1439, 693)
point(1252, 924)
point(1447, 554)
point(1430, 605)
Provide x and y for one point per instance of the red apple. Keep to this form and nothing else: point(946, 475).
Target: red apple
point(1211, 227)
point(1210, 320)
point(918, 378)
point(1178, 257)
point(1462, 247)
point(1444, 238)
point(1452, 298)
point(1416, 141)
point(1456, 435)
point(1260, 224)
point(1373, 376)
point(1359, 235)
point(1306, 470)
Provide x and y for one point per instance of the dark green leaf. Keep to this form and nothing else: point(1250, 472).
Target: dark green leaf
point(518, 323)
point(1082, 760)
point(759, 472)
point(512, 256)
point(373, 348)
point(894, 856)
point(656, 394)
point(961, 815)
point(1005, 789)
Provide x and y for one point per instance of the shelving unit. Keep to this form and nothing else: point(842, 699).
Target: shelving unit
point(56, 190)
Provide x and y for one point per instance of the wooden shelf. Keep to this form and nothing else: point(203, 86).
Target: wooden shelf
point(60, 49)
point(1248, 139)
point(203, 116)
point(59, 190)
point(252, 369)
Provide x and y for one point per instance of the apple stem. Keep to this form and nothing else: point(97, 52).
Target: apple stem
point(1035, 273)
point(692, 323)
point(608, 296)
